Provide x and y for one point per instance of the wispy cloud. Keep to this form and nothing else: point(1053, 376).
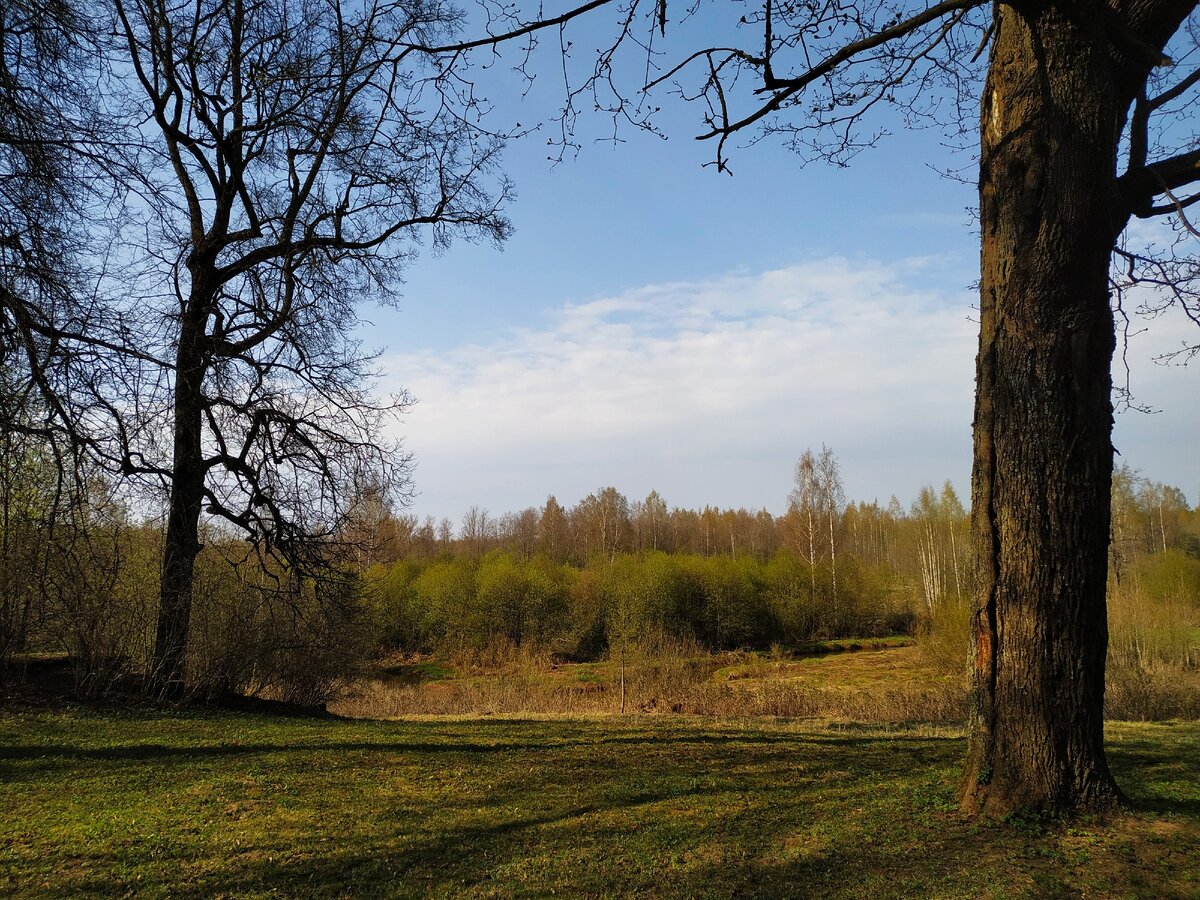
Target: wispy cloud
point(707, 391)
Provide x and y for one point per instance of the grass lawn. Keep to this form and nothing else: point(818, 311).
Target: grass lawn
point(237, 804)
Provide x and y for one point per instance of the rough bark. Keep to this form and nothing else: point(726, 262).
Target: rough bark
point(1051, 120)
point(182, 541)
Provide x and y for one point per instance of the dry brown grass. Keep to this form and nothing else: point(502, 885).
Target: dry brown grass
point(1153, 665)
point(1152, 693)
point(879, 686)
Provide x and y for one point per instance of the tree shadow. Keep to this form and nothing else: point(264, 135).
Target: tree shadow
point(159, 751)
point(749, 814)
point(463, 856)
point(1150, 772)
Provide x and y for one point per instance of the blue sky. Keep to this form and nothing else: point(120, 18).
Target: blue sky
point(655, 324)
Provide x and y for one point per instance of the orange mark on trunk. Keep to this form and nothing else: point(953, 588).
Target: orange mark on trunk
point(983, 649)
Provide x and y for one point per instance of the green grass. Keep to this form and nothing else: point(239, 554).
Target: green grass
point(417, 672)
point(204, 804)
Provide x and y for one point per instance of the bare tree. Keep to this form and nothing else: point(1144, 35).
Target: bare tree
point(523, 531)
point(815, 507)
point(39, 71)
point(478, 530)
point(553, 534)
point(1082, 127)
point(1082, 109)
point(1060, 85)
point(804, 508)
point(603, 521)
point(926, 513)
point(42, 112)
point(650, 515)
point(833, 502)
point(45, 192)
point(288, 157)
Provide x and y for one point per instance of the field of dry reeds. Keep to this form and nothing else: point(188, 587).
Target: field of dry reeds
point(878, 681)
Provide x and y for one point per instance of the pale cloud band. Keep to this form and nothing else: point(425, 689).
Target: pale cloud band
point(707, 391)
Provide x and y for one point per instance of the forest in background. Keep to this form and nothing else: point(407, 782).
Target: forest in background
point(605, 577)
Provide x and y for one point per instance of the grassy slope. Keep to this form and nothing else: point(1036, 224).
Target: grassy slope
point(238, 804)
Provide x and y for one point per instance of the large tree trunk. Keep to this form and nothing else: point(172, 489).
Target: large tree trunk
point(182, 543)
point(1043, 419)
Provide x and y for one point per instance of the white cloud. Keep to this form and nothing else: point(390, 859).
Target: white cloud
point(1161, 444)
point(707, 391)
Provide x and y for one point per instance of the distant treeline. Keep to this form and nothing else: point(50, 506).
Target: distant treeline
point(79, 574)
point(464, 602)
point(607, 569)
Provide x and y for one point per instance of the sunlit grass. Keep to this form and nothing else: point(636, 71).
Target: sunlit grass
point(881, 680)
point(867, 668)
point(235, 804)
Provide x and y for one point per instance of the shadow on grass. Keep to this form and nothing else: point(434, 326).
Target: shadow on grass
point(157, 751)
point(454, 858)
point(654, 811)
point(1154, 773)
point(1166, 806)
point(510, 858)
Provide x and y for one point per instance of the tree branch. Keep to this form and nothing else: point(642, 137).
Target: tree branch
point(1139, 187)
point(784, 89)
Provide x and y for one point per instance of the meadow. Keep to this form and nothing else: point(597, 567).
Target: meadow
point(105, 801)
point(881, 681)
point(511, 726)
point(878, 680)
